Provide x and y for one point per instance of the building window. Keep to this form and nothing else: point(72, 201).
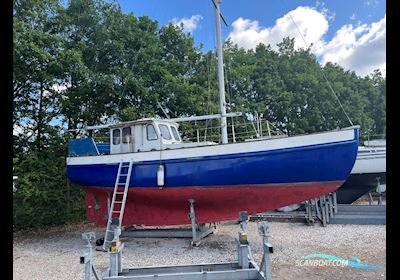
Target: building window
point(175, 133)
point(126, 135)
point(165, 132)
point(116, 137)
point(151, 132)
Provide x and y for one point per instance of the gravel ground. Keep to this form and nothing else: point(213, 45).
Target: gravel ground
point(54, 253)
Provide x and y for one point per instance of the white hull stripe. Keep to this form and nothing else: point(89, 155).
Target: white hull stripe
point(225, 149)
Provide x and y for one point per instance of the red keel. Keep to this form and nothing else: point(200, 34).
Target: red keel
point(170, 206)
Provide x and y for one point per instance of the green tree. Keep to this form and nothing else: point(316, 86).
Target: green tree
point(43, 198)
point(37, 71)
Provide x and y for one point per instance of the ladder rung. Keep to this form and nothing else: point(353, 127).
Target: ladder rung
point(122, 174)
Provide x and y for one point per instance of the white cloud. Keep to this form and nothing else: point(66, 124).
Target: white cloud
point(361, 48)
point(61, 87)
point(311, 23)
point(17, 130)
point(189, 24)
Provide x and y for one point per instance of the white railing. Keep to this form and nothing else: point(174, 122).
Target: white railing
point(238, 132)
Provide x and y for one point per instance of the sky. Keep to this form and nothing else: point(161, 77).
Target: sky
point(351, 33)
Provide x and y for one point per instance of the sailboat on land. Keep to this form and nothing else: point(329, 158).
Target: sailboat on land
point(222, 178)
point(368, 173)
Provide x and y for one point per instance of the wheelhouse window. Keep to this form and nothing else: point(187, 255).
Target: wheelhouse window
point(126, 135)
point(175, 133)
point(116, 136)
point(165, 132)
point(151, 132)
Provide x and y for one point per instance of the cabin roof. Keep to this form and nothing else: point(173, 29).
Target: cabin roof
point(142, 121)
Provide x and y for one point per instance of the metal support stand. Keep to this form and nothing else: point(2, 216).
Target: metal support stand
point(267, 250)
point(115, 250)
point(380, 200)
point(325, 208)
point(380, 189)
point(242, 243)
point(322, 208)
point(86, 259)
point(317, 209)
point(335, 205)
point(244, 269)
point(309, 212)
point(330, 206)
point(370, 198)
point(197, 231)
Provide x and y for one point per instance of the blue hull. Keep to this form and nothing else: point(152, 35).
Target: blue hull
point(318, 163)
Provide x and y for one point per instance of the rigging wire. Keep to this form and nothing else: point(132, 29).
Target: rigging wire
point(323, 74)
point(229, 90)
point(220, 14)
point(211, 58)
point(208, 94)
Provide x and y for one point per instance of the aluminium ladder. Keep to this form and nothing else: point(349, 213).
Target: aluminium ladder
point(116, 212)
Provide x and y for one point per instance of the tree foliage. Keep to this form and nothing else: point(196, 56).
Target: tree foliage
point(88, 63)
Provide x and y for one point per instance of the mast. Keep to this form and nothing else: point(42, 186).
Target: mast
point(222, 103)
